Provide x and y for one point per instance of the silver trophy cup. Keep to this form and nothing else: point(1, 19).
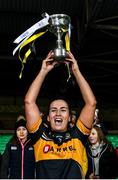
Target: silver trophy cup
point(58, 23)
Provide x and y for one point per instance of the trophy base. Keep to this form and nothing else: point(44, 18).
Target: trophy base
point(59, 54)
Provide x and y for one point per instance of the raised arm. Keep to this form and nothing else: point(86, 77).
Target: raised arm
point(88, 111)
point(32, 110)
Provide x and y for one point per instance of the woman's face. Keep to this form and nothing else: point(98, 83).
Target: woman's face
point(22, 133)
point(93, 137)
point(59, 115)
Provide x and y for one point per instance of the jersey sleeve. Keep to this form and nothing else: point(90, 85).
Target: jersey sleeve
point(82, 127)
point(35, 126)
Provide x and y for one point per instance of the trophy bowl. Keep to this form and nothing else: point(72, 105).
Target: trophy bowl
point(58, 24)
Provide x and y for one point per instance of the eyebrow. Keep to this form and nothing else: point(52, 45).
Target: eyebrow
point(57, 108)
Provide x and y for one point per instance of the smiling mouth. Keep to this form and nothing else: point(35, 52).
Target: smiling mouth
point(58, 121)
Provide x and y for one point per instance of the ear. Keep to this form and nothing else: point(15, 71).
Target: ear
point(48, 118)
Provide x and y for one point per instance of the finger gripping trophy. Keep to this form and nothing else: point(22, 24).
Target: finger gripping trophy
point(58, 24)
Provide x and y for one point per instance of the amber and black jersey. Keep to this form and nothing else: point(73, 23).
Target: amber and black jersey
point(60, 155)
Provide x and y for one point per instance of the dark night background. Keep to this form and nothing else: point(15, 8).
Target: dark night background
point(94, 43)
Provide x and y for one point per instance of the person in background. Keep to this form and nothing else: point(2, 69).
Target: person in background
point(100, 123)
point(96, 119)
point(102, 161)
point(117, 151)
point(18, 161)
point(59, 150)
point(0, 158)
point(73, 118)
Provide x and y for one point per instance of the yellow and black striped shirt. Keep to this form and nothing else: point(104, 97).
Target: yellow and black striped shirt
point(55, 160)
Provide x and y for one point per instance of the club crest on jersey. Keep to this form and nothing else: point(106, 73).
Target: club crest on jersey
point(46, 148)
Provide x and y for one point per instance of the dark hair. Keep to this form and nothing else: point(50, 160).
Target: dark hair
point(14, 139)
point(59, 98)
